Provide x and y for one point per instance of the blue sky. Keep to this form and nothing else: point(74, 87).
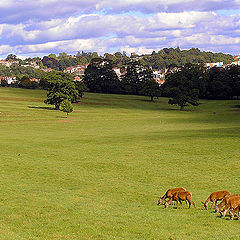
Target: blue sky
point(40, 27)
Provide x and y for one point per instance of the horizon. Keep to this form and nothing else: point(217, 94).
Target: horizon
point(31, 29)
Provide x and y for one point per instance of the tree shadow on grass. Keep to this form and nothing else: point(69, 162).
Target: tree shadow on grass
point(45, 108)
point(236, 106)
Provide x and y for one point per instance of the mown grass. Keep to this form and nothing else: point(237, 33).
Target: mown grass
point(99, 173)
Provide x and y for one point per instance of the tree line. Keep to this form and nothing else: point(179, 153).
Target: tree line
point(157, 60)
point(100, 77)
point(185, 85)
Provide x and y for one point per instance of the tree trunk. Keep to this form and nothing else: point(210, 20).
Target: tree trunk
point(151, 98)
point(181, 108)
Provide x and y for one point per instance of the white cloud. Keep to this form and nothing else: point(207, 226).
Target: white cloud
point(54, 26)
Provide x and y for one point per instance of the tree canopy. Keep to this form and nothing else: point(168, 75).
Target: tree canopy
point(60, 87)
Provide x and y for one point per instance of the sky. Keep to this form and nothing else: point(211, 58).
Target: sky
point(41, 27)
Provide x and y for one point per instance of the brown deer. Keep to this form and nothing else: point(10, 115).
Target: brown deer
point(169, 194)
point(232, 202)
point(179, 197)
point(214, 197)
point(234, 212)
point(224, 202)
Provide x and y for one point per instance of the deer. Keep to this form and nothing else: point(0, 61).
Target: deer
point(224, 202)
point(169, 193)
point(234, 212)
point(232, 203)
point(214, 197)
point(179, 197)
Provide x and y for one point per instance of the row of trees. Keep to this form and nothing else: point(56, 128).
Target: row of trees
point(185, 85)
point(158, 60)
point(100, 78)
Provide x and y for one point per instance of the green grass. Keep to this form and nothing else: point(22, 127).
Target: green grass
point(99, 173)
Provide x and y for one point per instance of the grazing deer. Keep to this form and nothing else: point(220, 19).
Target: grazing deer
point(179, 197)
point(224, 202)
point(214, 197)
point(234, 212)
point(232, 203)
point(169, 194)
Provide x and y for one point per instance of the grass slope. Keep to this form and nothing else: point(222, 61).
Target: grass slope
point(99, 173)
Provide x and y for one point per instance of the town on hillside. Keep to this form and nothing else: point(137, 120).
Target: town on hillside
point(33, 69)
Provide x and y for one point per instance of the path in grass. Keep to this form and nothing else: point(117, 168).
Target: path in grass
point(99, 173)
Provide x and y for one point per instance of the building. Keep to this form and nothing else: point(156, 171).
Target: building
point(117, 71)
point(159, 76)
point(34, 80)
point(8, 63)
point(9, 80)
point(217, 64)
point(236, 58)
point(47, 69)
point(236, 63)
point(78, 70)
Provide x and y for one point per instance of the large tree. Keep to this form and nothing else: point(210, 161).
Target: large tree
point(99, 77)
point(149, 87)
point(60, 87)
point(130, 83)
point(182, 87)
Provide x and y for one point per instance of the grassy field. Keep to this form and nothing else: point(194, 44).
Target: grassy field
point(99, 173)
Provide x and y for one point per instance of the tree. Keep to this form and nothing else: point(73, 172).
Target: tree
point(181, 88)
point(81, 87)
point(99, 77)
point(218, 86)
point(11, 57)
point(66, 107)
point(149, 87)
point(4, 83)
point(130, 81)
point(60, 87)
point(52, 55)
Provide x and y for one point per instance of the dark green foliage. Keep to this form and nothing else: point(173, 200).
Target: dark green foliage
point(66, 106)
point(11, 57)
point(218, 86)
point(81, 87)
point(50, 62)
point(149, 87)
point(234, 80)
point(60, 87)
point(182, 87)
point(99, 77)
point(25, 82)
point(130, 83)
point(4, 83)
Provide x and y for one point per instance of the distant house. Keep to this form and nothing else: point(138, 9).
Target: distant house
point(77, 78)
point(78, 70)
point(117, 71)
point(47, 69)
point(10, 80)
point(159, 76)
point(236, 63)
point(34, 80)
point(236, 58)
point(216, 64)
point(8, 63)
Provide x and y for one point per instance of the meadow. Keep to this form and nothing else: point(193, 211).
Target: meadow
point(99, 173)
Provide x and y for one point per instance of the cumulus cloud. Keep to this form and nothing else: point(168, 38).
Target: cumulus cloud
point(44, 26)
point(21, 11)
